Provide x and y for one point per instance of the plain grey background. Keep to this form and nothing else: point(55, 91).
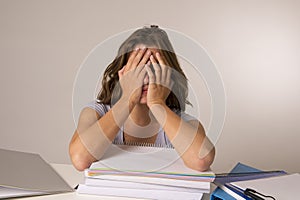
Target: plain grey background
point(254, 44)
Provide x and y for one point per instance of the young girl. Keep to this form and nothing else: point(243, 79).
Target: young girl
point(142, 100)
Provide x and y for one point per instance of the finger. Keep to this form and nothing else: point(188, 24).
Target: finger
point(164, 71)
point(148, 63)
point(157, 70)
point(145, 58)
point(160, 59)
point(150, 74)
point(138, 58)
point(143, 62)
point(171, 85)
point(132, 56)
point(153, 60)
point(167, 72)
point(143, 73)
point(121, 71)
point(169, 80)
point(156, 67)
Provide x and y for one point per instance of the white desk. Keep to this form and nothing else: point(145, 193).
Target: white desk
point(73, 177)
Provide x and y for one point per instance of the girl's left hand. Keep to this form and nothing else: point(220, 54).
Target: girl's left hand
point(160, 82)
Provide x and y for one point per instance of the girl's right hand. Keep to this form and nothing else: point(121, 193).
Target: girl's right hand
point(132, 75)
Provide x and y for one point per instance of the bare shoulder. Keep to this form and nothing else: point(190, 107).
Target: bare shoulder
point(195, 122)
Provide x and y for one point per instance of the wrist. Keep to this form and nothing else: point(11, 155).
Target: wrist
point(157, 102)
point(121, 110)
point(159, 111)
point(126, 102)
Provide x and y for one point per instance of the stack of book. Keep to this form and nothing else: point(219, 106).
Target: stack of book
point(144, 172)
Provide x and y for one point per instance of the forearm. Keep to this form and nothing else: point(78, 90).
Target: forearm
point(99, 136)
point(188, 139)
point(91, 140)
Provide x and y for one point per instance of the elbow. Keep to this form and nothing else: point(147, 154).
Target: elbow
point(79, 155)
point(201, 164)
point(79, 163)
point(79, 159)
point(198, 165)
point(205, 162)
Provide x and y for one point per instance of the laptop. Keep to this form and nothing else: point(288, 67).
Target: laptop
point(27, 174)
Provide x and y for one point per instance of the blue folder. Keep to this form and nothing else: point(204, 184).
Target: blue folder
point(238, 173)
point(219, 194)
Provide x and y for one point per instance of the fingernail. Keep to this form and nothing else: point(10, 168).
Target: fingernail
point(137, 48)
point(157, 54)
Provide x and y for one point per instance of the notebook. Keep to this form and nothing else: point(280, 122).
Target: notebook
point(27, 174)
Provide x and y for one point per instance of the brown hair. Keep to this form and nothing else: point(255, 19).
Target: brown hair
point(149, 36)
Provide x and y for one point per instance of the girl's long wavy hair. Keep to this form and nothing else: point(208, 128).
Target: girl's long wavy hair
point(149, 36)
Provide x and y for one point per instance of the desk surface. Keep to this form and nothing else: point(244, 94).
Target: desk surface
point(73, 177)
